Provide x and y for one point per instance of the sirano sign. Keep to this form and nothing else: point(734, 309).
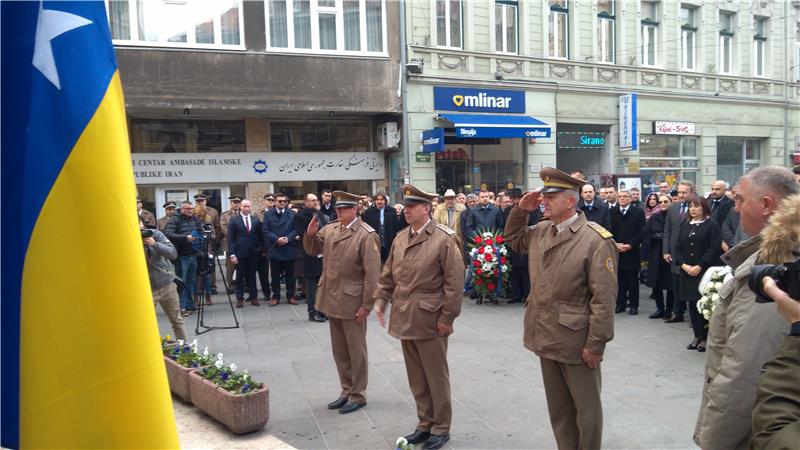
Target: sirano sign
point(681, 128)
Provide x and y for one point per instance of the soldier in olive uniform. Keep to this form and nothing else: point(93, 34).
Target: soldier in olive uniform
point(262, 268)
point(169, 208)
point(202, 200)
point(148, 218)
point(423, 278)
point(224, 220)
point(570, 313)
point(351, 262)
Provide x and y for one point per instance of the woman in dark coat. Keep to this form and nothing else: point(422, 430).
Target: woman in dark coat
point(658, 275)
point(699, 245)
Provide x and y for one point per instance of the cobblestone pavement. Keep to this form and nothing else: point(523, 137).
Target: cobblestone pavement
point(651, 383)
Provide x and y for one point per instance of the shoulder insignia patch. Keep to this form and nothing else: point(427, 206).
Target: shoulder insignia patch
point(446, 229)
point(610, 264)
point(605, 234)
point(366, 226)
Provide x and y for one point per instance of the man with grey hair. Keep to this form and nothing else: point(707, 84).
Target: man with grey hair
point(676, 214)
point(743, 335)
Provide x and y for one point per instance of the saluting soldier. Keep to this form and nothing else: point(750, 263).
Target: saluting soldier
point(169, 209)
point(148, 219)
point(423, 278)
point(351, 261)
point(570, 313)
point(224, 221)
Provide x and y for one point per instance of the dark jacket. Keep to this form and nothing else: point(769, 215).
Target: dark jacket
point(599, 212)
point(776, 416)
point(672, 225)
point(521, 259)
point(178, 227)
point(330, 211)
point(720, 209)
point(311, 264)
point(627, 229)
point(391, 225)
point(698, 245)
point(658, 274)
point(242, 243)
point(483, 218)
point(276, 226)
point(158, 258)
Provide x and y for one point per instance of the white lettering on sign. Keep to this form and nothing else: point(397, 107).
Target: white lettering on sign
point(430, 141)
point(535, 133)
point(682, 128)
point(469, 132)
point(486, 101)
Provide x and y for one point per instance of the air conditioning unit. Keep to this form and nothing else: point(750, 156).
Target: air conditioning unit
point(388, 136)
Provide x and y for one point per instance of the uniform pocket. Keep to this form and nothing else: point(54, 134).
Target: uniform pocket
point(431, 304)
point(354, 290)
point(574, 317)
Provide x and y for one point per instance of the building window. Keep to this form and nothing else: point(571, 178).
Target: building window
point(797, 59)
point(558, 35)
point(726, 26)
point(759, 47)
point(327, 26)
point(171, 23)
point(665, 156)
point(735, 156)
point(605, 31)
point(319, 136)
point(688, 38)
point(505, 26)
point(187, 136)
point(448, 23)
point(649, 33)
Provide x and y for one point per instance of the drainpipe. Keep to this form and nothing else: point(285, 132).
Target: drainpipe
point(406, 170)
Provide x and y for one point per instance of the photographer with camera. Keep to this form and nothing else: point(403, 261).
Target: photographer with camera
point(776, 415)
point(159, 252)
point(743, 335)
point(182, 230)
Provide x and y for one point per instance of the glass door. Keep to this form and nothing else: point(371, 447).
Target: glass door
point(217, 196)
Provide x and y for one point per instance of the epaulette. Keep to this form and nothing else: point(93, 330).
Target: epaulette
point(605, 234)
point(445, 229)
point(366, 226)
point(404, 229)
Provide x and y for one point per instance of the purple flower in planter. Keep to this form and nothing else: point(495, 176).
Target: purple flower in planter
point(186, 349)
point(194, 364)
point(224, 376)
point(245, 388)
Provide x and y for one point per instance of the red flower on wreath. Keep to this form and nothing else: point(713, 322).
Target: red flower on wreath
point(488, 257)
point(478, 240)
point(490, 286)
point(480, 250)
point(479, 282)
point(503, 260)
point(489, 241)
point(496, 272)
point(476, 263)
point(500, 239)
point(478, 271)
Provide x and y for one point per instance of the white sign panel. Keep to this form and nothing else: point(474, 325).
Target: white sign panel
point(683, 128)
point(628, 135)
point(168, 168)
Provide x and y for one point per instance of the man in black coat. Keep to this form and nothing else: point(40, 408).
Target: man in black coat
point(594, 209)
point(385, 221)
point(279, 237)
point(484, 217)
point(676, 214)
point(244, 245)
point(627, 223)
point(327, 205)
point(520, 278)
point(312, 264)
point(720, 204)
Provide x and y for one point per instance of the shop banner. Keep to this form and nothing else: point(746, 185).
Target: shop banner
point(502, 132)
point(679, 128)
point(433, 140)
point(163, 168)
point(628, 135)
point(478, 100)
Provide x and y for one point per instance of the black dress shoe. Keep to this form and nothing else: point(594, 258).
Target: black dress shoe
point(213, 290)
point(315, 318)
point(633, 311)
point(675, 318)
point(417, 437)
point(656, 315)
point(338, 403)
point(619, 309)
point(350, 407)
point(515, 300)
point(435, 442)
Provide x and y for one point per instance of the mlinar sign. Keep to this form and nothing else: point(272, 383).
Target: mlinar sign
point(478, 100)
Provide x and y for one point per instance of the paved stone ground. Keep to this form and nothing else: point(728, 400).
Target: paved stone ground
point(651, 383)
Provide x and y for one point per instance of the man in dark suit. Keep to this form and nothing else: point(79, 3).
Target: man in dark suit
point(385, 221)
point(720, 203)
point(312, 263)
point(244, 245)
point(279, 237)
point(520, 279)
point(326, 205)
point(594, 209)
point(676, 214)
point(627, 223)
point(484, 217)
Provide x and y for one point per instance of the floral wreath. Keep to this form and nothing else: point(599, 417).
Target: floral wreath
point(489, 268)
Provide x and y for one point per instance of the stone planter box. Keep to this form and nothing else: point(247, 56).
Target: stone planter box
point(178, 377)
point(239, 413)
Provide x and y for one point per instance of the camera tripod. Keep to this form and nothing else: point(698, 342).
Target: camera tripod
point(209, 261)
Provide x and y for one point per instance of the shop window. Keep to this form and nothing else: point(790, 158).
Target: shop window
point(558, 23)
point(605, 31)
point(170, 23)
point(448, 23)
point(674, 156)
point(320, 136)
point(468, 165)
point(735, 156)
point(505, 26)
point(184, 136)
point(327, 26)
point(726, 43)
point(759, 47)
point(688, 38)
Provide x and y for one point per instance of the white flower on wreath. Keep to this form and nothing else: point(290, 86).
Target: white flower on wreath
point(473, 252)
point(219, 364)
point(486, 267)
point(487, 235)
point(488, 249)
point(481, 257)
point(219, 356)
point(503, 250)
point(504, 268)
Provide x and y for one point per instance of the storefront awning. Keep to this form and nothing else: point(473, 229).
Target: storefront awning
point(505, 126)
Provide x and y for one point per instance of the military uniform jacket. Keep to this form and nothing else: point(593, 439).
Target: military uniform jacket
point(351, 266)
point(573, 286)
point(162, 222)
point(423, 278)
point(148, 219)
point(224, 221)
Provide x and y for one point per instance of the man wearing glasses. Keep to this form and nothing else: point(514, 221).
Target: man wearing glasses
point(279, 238)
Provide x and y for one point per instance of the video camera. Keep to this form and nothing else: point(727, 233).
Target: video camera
point(786, 276)
point(147, 233)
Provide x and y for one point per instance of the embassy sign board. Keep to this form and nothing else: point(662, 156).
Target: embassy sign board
point(478, 100)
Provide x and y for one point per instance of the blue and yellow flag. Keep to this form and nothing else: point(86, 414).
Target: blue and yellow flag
point(77, 313)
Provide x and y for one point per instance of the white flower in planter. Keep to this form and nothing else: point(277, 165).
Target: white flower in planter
point(219, 356)
point(232, 367)
point(219, 364)
point(205, 351)
point(244, 371)
point(180, 342)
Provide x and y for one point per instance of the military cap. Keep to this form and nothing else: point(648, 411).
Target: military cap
point(557, 181)
point(200, 196)
point(515, 193)
point(138, 199)
point(170, 205)
point(269, 196)
point(345, 199)
point(449, 193)
point(412, 194)
point(235, 198)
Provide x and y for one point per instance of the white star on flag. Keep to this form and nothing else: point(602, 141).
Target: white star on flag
point(51, 24)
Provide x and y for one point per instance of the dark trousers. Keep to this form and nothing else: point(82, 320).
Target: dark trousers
point(680, 305)
point(628, 281)
point(246, 276)
point(658, 294)
point(262, 267)
point(310, 285)
point(520, 281)
point(698, 321)
point(285, 268)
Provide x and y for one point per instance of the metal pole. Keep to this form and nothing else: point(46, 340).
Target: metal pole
point(406, 169)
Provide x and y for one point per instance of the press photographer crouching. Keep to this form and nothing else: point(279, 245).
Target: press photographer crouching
point(159, 252)
point(776, 415)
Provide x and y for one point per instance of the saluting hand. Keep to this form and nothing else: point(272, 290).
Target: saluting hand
point(530, 201)
point(313, 226)
point(379, 313)
point(592, 360)
point(361, 315)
